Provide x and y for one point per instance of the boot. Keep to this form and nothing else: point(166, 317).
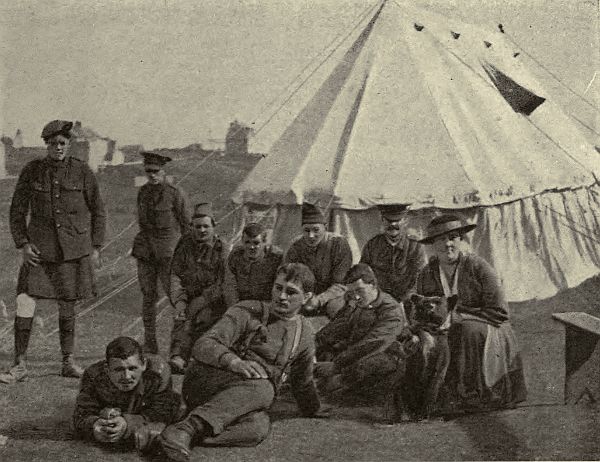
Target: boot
point(66, 327)
point(176, 440)
point(17, 373)
point(69, 368)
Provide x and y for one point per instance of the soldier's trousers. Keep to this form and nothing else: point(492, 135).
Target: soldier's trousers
point(149, 273)
point(234, 407)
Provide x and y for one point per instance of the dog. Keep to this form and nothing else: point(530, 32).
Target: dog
point(426, 366)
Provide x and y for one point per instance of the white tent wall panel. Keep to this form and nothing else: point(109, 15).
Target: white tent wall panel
point(538, 245)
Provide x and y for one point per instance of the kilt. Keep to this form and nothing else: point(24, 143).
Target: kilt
point(68, 280)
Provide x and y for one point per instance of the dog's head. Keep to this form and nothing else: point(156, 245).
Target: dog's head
point(430, 309)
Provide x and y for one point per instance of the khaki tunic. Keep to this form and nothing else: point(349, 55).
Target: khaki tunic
point(163, 216)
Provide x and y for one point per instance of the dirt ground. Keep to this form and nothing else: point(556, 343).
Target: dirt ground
point(36, 414)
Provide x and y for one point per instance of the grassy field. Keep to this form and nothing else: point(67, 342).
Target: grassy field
point(36, 414)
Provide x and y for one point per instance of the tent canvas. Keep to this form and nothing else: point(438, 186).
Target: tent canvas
point(422, 110)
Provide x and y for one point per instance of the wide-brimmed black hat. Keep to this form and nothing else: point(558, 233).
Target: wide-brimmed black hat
point(154, 158)
point(445, 224)
point(57, 127)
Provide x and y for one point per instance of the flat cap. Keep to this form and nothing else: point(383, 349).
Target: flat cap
point(254, 229)
point(57, 127)
point(155, 158)
point(392, 212)
point(312, 215)
point(203, 209)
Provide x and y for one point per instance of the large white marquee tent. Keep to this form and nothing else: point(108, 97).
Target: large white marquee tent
point(437, 114)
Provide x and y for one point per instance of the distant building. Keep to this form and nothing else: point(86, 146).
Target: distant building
point(236, 140)
point(92, 148)
point(18, 140)
point(132, 152)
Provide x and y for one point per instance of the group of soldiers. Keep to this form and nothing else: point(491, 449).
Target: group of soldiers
point(238, 335)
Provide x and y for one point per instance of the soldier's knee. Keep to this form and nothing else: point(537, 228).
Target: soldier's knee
point(25, 306)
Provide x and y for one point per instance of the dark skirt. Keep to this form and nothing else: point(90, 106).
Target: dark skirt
point(482, 375)
point(69, 280)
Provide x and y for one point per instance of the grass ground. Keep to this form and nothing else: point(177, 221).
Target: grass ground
point(36, 414)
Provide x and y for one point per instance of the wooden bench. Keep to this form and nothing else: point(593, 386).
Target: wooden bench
point(582, 356)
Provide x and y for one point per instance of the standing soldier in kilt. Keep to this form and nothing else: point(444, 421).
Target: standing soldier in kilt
point(59, 244)
point(163, 217)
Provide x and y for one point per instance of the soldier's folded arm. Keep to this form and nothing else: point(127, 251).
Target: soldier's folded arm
point(162, 407)
point(382, 334)
point(214, 347)
point(87, 408)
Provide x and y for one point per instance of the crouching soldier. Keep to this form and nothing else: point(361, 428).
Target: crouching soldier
point(251, 267)
point(196, 292)
point(126, 399)
point(238, 366)
point(327, 255)
point(352, 347)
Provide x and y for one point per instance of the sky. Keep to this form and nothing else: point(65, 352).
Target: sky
point(166, 73)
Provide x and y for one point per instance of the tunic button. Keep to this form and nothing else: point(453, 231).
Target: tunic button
point(57, 211)
point(55, 181)
point(57, 195)
point(58, 225)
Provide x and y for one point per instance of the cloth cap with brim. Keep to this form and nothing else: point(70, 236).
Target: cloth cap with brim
point(312, 215)
point(57, 127)
point(203, 209)
point(445, 224)
point(154, 158)
point(254, 229)
point(393, 212)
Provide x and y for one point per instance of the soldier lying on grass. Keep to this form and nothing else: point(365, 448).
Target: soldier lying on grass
point(127, 398)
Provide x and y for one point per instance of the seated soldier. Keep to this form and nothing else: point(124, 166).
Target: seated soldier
point(394, 258)
point(127, 398)
point(327, 255)
point(251, 267)
point(238, 367)
point(352, 347)
point(196, 291)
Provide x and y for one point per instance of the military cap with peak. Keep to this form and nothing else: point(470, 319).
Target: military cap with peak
point(57, 127)
point(155, 158)
point(203, 209)
point(312, 215)
point(392, 212)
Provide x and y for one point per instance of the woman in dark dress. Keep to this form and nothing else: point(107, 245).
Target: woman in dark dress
point(486, 370)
